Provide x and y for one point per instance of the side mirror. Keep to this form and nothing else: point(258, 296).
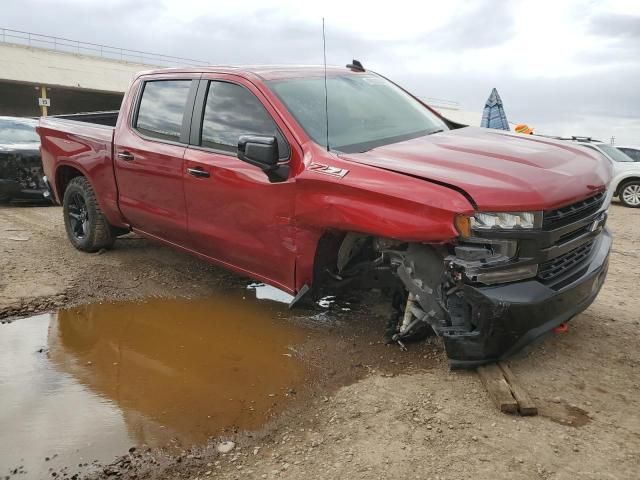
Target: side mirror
point(261, 151)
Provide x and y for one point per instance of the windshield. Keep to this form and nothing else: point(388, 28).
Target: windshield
point(12, 131)
point(614, 153)
point(365, 111)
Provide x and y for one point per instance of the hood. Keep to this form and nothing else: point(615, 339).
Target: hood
point(26, 148)
point(498, 170)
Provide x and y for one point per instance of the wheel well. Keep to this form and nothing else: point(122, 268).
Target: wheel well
point(353, 259)
point(326, 253)
point(64, 175)
point(624, 181)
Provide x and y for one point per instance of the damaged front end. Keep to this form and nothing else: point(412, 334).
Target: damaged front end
point(507, 280)
point(510, 279)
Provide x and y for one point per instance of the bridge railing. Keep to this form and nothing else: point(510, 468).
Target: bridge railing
point(60, 44)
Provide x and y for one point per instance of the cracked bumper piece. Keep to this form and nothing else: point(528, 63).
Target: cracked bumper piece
point(510, 316)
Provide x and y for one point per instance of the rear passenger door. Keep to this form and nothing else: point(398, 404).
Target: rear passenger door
point(236, 215)
point(149, 148)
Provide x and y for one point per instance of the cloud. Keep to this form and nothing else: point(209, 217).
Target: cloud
point(612, 25)
point(570, 65)
point(486, 24)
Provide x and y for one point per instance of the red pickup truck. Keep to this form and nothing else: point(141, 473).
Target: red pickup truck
point(486, 238)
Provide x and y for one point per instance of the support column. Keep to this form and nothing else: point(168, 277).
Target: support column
point(43, 101)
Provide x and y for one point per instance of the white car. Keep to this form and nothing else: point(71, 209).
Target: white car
point(626, 173)
point(631, 151)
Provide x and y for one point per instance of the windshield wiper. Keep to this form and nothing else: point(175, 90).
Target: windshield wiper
point(439, 130)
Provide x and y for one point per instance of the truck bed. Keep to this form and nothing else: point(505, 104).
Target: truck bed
point(108, 118)
point(95, 131)
point(81, 148)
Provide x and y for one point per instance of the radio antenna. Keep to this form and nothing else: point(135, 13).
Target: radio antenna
point(326, 93)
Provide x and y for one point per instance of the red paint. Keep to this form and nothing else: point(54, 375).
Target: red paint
point(562, 328)
point(236, 218)
point(86, 148)
point(502, 171)
point(151, 187)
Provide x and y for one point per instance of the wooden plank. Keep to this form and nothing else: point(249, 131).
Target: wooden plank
point(526, 406)
point(498, 388)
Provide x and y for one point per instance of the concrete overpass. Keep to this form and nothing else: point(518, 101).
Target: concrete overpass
point(74, 76)
point(88, 77)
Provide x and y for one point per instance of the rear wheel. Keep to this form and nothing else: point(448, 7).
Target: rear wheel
point(86, 225)
point(630, 194)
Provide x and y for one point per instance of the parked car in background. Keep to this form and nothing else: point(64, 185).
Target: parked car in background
point(21, 174)
point(626, 172)
point(630, 151)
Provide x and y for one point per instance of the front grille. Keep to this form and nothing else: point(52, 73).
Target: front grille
point(572, 213)
point(552, 269)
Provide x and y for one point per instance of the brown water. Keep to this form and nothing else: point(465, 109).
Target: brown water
point(87, 383)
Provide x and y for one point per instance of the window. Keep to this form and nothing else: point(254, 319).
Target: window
point(232, 111)
point(162, 108)
point(613, 153)
point(365, 111)
point(631, 152)
point(18, 131)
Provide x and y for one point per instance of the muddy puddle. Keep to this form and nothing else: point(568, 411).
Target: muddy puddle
point(87, 383)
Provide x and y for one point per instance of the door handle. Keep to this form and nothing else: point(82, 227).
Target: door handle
point(198, 172)
point(126, 156)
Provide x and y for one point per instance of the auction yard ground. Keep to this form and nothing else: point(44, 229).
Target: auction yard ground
point(373, 411)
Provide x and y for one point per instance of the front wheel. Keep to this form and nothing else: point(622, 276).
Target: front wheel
point(630, 194)
point(86, 225)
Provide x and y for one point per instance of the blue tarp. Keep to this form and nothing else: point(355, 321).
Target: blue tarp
point(493, 115)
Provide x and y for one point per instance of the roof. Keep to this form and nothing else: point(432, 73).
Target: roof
point(464, 117)
point(265, 72)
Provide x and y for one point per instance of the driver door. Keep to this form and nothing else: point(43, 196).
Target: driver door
point(235, 215)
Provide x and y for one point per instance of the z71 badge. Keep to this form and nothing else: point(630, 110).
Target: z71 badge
point(328, 170)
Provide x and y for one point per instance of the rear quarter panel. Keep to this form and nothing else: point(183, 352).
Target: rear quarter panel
point(88, 149)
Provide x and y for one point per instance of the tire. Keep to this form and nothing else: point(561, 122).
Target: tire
point(87, 227)
point(630, 194)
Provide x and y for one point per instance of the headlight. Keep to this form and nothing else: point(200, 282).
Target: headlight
point(484, 221)
point(490, 260)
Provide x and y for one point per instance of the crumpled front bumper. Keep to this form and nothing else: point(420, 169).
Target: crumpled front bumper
point(510, 316)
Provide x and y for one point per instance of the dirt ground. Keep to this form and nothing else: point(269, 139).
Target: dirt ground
point(385, 414)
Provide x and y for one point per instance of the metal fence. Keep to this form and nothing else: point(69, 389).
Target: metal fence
point(94, 49)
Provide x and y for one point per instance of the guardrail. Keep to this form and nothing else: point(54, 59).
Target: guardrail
point(59, 44)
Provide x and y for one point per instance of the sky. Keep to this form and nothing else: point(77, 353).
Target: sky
point(564, 67)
